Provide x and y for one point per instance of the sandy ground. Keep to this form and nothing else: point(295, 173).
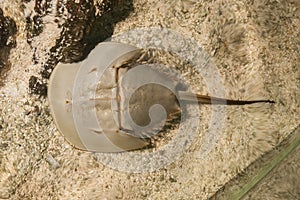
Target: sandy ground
point(282, 183)
point(255, 45)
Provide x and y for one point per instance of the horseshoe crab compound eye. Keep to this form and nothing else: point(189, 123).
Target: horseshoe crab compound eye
point(86, 120)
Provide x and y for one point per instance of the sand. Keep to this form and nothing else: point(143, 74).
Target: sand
point(254, 44)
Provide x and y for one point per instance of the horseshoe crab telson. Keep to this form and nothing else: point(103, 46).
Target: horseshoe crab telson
point(96, 93)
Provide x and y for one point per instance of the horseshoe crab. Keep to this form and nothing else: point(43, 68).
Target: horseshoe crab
point(102, 104)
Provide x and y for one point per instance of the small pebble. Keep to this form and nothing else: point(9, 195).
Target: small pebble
point(52, 162)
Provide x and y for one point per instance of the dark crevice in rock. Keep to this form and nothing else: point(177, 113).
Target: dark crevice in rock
point(34, 22)
point(39, 87)
point(81, 32)
point(8, 30)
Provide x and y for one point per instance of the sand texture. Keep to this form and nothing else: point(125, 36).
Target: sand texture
point(255, 46)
